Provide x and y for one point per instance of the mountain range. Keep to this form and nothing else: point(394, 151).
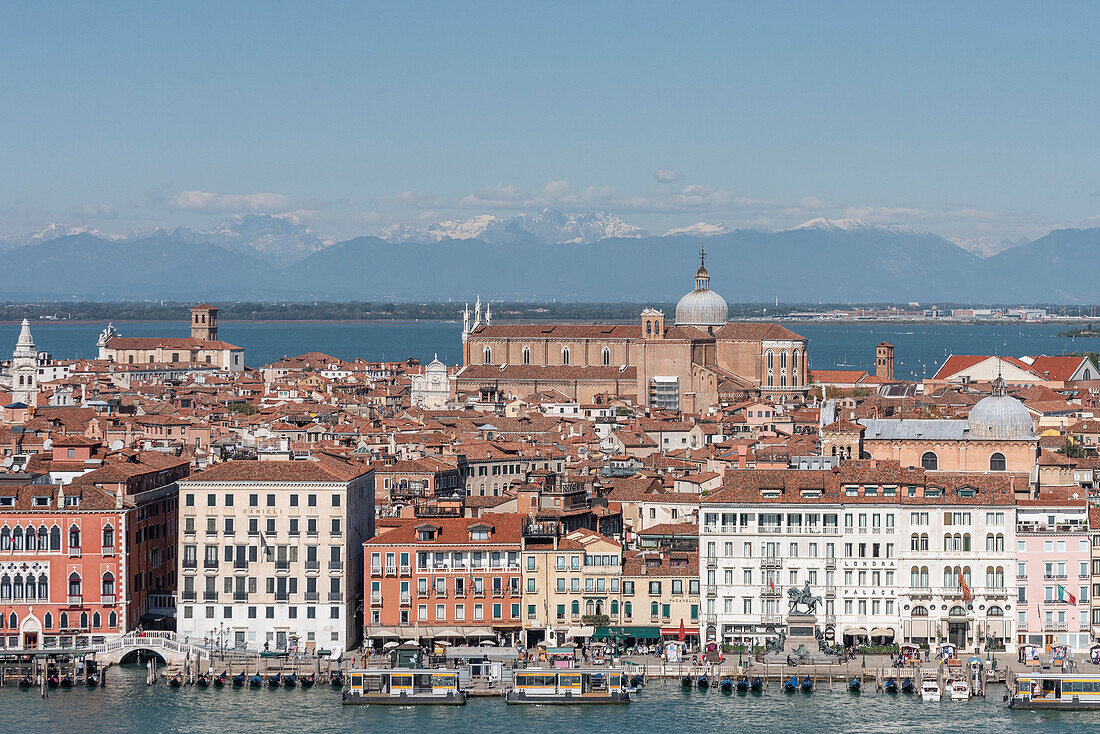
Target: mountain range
point(546, 255)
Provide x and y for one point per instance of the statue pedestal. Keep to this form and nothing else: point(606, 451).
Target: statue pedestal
point(801, 632)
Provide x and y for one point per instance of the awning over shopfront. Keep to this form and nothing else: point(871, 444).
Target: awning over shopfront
point(577, 633)
point(638, 633)
point(675, 631)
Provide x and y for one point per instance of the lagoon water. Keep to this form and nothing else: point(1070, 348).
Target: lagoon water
point(919, 348)
point(127, 705)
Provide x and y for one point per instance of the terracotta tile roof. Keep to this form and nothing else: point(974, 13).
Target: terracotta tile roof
point(489, 372)
point(505, 529)
point(165, 342)
point(327, 469)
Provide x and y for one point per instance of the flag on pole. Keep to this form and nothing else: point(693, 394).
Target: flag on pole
point(1063, 592)
point(771, 583)
point(967, 596)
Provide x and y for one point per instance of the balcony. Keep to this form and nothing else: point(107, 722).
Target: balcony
point(405, 600)
point(375, 570)
point(479, 593)
point(771, 592)
point(514, 591)
point(209, 596)
point(335, 565)
point(187, 596)
point(107, 600)
point(440, 592)
point(190, 563)
point(311, 596)
point(830, 564)
point(830, 592)
point(1055, 626)
point(712, 592)
point(282, 566)
point(74, 552)
point(210, 563)
point(920, 592)
point(771, 563)
point(460, 593)
point(335, 596)
point(313, 565)
point(391, 570)
point(109, 551)
point(240, 565)
point(240, 596)
point(498, 593)
point(405, 570)
point(712, 562)
point(282, 596)
point(422, 593)
point(772, 619)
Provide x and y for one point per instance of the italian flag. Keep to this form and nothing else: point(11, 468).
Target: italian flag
point(1063, 592)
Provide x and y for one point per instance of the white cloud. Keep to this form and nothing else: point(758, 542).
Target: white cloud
point(885, 214)
point(203, 201)
point(665, 176)
point(95, 211)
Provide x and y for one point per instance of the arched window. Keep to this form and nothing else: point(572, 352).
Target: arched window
point(64, 621)
point(989, 575)
point(17, 539)
point(614, 607)
point(924, 541)
point(527, 355)
point(999, 543)
point(914, 576)
point(997, 462)
point(13, 621)
point(920, 611)
point(17, 588)
point(654, 609)
point(924, 576)
point(108, 586)
point(108, 536)
point(794, 367)
point(74, 537)
point(914, 544)
point(55, 539)
point(627, 607)
point(43, 588)
point(771, 364)
point(83, 620)
point(648, 327)
point(5, 538)
point(32, 543)
point(47, 621)
point(575, 608)
point(5, 587)
point(96, 620)
point(74, 584)
point(966, 542)
point(947, 544)
point(995, 611)
point(30, 587)
point(112, 620)
point(999, 578)
point(950, 580)
point(43, 538)
point(606, 356)
point(957, 611)
point(783, 361)
point(929, 461)
point(488, 355)
point(989, 541)
point(565, 355)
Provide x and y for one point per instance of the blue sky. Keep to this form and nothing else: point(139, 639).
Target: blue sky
point(971, 120)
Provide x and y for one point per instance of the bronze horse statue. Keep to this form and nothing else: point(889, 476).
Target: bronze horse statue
point(803, 596)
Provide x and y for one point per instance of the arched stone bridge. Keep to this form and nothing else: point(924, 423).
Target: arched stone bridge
point(166, 644)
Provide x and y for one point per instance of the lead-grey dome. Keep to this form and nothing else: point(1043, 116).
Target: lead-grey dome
point(1000, 416)
point(702, 307)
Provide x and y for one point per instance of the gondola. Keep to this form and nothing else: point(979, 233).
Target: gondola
point(203, 681)
point(891, 685)
point(703, 682)
point(854, 685)
point(637, 681)
point(792, 685)
point(175, 681)
point(907, 686)
point(256, 681)
point(685, 681)
point(742, 683)
point(219, 680)
point(276, 680)
point(26, 682)
point(239, 680)
point(291, 681)
point(53, 681)
point(66, 681)
point(806, 684)
point(337, 679)
point(308, 680)
point(726, 686)
point(92, 680)
point(757, 685)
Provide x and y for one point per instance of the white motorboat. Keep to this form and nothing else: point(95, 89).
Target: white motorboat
point(959, 689)
point(930, 687)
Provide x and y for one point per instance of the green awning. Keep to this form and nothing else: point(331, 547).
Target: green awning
point(638, 633)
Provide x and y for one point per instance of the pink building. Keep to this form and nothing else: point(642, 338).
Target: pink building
point(1052, 570)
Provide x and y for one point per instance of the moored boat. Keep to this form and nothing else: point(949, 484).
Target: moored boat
point(742, 683)
point(726, 686)
point(854, 685)
point(930, 686)
point(256, 681)
point(958, 688)
point(308, 680)
point(757, 685)
point(291, 681)
point(26, 682)
point(891, 685)
point(1056, 691)
point(239, 680)
point(792, 685)
point(66, 681)
point(568, 686)
point(403, 687)
point(219, 680)
point(806, 684)
point(53, 681)
point(685, 681)
point(203, 681)
point(275, 681)
point(175, 681)
point(336, 679)
point(908, 686)
point(637, 680)
point(703, 682)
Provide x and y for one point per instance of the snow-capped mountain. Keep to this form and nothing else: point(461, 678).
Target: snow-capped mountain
point(699, 229)
point(548, 226)
point(52, 231)
point(985, 247)
point(822, 224)
point(280, 239)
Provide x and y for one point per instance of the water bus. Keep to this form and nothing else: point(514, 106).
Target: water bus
point(403, 687)
point(575, 685)
point(1060, 691)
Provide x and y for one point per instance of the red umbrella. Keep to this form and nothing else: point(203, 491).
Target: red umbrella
point(683, 633)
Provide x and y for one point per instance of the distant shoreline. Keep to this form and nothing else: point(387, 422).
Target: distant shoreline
point(549, 320)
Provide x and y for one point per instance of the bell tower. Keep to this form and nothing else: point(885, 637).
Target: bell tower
point(204, 322)
point(24, 368)
point(884, 362)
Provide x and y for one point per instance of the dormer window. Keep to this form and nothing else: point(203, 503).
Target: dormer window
point(479, 534)
point(72, 501)
point(870, 491)
point(7, 502)
point(967, 491)
point(851, 491)
point(933, 492)
point(425, 534)
point(41, 502)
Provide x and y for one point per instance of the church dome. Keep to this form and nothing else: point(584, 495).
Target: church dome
point(702, 307)
point(1000, 416)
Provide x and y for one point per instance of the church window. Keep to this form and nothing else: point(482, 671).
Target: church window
point(997, 462)
point(771, 366)
point(794, 367)
point(527, 355)
point(783, 360)
point(930, 461)
point(649, 327)
point(488, 355)
point(606, 356)
point(565, 355)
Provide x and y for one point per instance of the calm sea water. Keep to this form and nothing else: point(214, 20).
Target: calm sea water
point(127, 705)
point(919, 348)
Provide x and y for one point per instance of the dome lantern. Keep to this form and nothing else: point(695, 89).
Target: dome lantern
point(702, 307)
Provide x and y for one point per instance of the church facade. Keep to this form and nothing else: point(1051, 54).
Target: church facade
point(697, 362)
point(201, 348)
